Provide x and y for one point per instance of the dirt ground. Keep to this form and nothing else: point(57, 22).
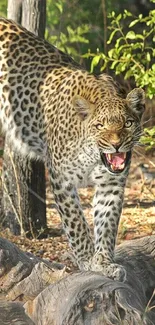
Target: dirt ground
point(138, 217)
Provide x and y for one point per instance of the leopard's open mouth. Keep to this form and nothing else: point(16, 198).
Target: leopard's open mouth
point(116, 162)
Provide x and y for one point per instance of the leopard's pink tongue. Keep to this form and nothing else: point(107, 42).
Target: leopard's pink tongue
point(116, 160)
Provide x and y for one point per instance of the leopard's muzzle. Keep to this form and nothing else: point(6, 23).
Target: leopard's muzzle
point(115, 162)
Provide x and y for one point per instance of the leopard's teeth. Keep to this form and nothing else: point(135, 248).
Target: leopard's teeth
point(109, 156)
point(122, 166)
point(112, 167)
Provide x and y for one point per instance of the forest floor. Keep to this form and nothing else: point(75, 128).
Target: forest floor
point(138, 216)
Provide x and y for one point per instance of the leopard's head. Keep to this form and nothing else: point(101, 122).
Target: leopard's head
point(114, 125)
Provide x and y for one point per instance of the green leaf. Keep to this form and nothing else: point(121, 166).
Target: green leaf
point(95, 62)
point(128, 55)
point(112, 35)
point(60, 7)
point(120, 68)
point(140, 16)
point(70, 30)
point(118, 42)
point(139, 36)
point(83, 29)
point(104, 66)
point(103, 56)
point(110, 53)
point(131, 35)
point(148, 57)
point(113, 65)
point(127, 13)
point(128, 74)
point(134, 22)
point(118, 18)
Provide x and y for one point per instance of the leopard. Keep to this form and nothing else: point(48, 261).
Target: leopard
point(82, 126)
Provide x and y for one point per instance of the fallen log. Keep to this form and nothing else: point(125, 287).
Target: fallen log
point(13, 313)
point(51, 297)
point(16, 265)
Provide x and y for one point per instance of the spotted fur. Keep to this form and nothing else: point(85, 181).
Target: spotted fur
point(54, 110)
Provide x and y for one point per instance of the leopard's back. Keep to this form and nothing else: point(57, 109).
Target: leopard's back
point(25, 63)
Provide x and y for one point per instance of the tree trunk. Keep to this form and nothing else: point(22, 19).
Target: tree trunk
point(34, 16)
point(23, 203)
point(52, 298)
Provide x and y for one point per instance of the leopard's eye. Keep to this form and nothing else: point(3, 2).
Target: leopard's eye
point(99, 126)
point(128, 123)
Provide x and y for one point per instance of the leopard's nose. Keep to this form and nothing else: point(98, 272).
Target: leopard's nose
point(115, 140)
point(116, 144)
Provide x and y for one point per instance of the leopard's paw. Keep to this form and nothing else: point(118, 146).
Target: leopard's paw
point(85, 265)
point(109, 269)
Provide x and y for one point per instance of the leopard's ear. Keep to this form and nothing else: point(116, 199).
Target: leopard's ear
point(82, 106)
point(136, 101)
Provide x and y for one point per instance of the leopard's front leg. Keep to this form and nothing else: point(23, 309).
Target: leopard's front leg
point(74, 222)
point(108, 203)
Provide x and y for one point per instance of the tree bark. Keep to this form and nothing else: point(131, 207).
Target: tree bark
point(14, 313)
point(52, 298)
point(34, 16)
point(23, 202)
point(14, 10)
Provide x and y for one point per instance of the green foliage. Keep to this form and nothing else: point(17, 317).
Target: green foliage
point(66, 41)
point(65, 37)
point(3, 8)
point(148, 139)
point(132, 54)
point(72, 25)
